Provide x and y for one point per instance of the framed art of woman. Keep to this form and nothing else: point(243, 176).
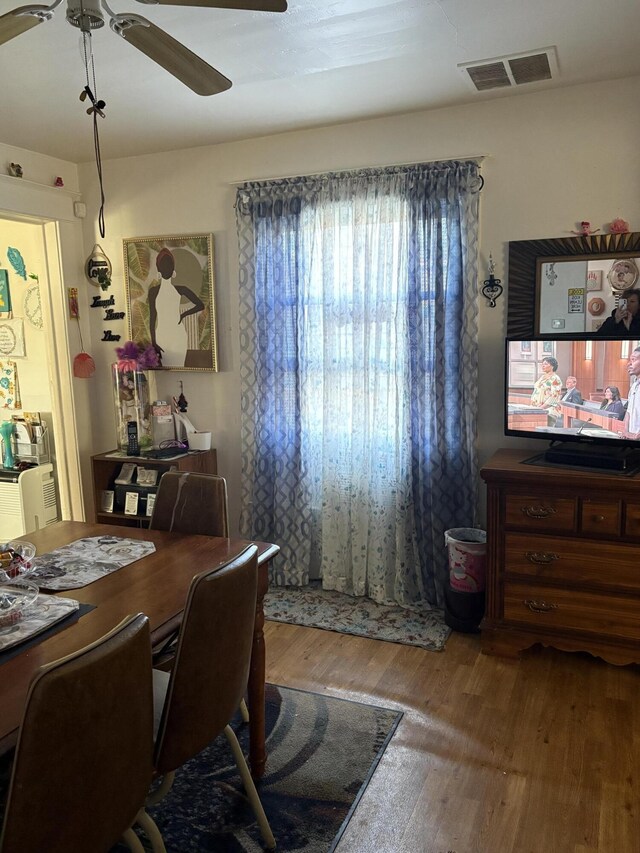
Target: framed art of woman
point(170, 296)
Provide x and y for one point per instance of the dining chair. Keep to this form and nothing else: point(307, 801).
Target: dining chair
point(84, 758)
point(189, 502)
point(195, 701)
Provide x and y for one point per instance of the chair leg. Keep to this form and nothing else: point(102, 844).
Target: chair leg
point(162, 790)
point(151, 831)
point(250, 789)
point(244, 711)
point(132, 841)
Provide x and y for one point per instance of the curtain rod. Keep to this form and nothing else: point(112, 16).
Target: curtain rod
point(478, 158)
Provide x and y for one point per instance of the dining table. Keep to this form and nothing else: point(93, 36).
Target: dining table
point(156, 585)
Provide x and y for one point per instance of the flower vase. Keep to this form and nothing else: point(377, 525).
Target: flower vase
point(132, 401)
point(6, 431)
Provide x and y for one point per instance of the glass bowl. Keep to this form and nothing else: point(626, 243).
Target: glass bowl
point(15, 559)
point(16, 597)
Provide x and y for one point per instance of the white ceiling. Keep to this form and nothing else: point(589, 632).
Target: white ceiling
point(321, 62)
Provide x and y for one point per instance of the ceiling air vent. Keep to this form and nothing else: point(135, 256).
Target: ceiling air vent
point(516, 70)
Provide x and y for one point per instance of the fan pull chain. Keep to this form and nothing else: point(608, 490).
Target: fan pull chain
point(95, 110)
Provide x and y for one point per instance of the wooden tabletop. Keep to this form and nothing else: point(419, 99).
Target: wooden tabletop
point(155, 585)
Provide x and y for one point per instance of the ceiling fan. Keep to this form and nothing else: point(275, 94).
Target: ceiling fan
point(158, 45)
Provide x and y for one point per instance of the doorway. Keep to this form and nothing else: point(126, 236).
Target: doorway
point(39, 302)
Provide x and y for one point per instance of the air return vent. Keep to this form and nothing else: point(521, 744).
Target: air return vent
point(506, 71)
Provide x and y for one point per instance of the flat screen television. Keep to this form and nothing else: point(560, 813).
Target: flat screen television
point(588, 427)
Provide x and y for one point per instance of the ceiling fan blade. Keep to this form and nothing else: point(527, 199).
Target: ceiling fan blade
point(249, 5)
point(14, 24)
point(174, 57)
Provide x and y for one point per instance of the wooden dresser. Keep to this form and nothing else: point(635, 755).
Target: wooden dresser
point(563, 559)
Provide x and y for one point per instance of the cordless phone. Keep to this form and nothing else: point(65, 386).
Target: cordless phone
point(133, 448)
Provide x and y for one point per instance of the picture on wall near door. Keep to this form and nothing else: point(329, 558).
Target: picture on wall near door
point(5, 293)
point(11, 338)
point(170, 297)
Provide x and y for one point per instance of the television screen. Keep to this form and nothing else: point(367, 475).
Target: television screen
point(576, 388)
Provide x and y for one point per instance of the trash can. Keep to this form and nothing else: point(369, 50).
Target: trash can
point(464, 595)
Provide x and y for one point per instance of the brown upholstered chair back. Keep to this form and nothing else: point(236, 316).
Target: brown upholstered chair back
point(211, 666)
point(187, 502)
point(83, 762)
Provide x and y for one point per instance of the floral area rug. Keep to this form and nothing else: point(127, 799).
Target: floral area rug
point(315, 607)
point(321, 754)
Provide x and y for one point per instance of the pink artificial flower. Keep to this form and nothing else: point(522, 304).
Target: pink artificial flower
point(619, 226)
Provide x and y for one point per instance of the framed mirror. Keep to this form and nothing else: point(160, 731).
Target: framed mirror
point(552, 281)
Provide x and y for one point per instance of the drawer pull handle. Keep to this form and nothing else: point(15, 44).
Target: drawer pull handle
point(538, 511)
point(598, 517)
point(541, 557)
point(539, 606)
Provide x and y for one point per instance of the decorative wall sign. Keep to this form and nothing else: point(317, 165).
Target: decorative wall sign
point(110, 314)
point(623, 274)
point(5, 293)
point(576, 300)
point(33, 307)
point(594, 280)
point(170, 298)
point(102, 303)
point(97, 268)
point(596, 306)
point(9, 388)
point(11, 338)
point(109, 336)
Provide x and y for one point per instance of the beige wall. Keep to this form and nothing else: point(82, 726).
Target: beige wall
point(552, 159)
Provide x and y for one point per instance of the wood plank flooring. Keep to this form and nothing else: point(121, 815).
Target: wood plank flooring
point(540, 755)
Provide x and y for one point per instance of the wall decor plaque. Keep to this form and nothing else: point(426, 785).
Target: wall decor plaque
point(97, 268)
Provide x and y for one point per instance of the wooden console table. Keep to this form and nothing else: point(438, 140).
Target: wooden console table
point(563, 559)
point(105, 468)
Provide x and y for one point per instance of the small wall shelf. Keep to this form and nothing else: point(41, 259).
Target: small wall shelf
point(36, 185)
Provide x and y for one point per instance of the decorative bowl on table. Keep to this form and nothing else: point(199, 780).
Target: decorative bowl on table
point(15, 559)
point(16, 597)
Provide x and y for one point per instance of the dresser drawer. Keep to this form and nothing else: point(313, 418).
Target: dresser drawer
point(573, 561)
point(632, 522)
point(545, 607)
point(539, 512)
point(601, 517)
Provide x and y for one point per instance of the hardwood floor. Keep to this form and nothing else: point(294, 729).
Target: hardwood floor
point(540, 755)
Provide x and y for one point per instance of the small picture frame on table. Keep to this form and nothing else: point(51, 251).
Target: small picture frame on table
point(106, 503)
point(131, 503)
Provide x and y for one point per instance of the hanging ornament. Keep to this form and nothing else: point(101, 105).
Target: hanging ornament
point(17, 262)
point(97, 268)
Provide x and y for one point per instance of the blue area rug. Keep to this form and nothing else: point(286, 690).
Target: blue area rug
point(315, 607)
point(321, 754)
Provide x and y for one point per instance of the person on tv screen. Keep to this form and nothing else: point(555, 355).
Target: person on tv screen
point(572, 394)
point(631, 423)
point(612, 403)
point(547, 389)
point(625, 319)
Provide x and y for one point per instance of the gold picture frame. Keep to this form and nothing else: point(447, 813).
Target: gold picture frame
point(170, 295)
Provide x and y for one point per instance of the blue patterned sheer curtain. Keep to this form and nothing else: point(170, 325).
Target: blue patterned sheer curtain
point(358, 326)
